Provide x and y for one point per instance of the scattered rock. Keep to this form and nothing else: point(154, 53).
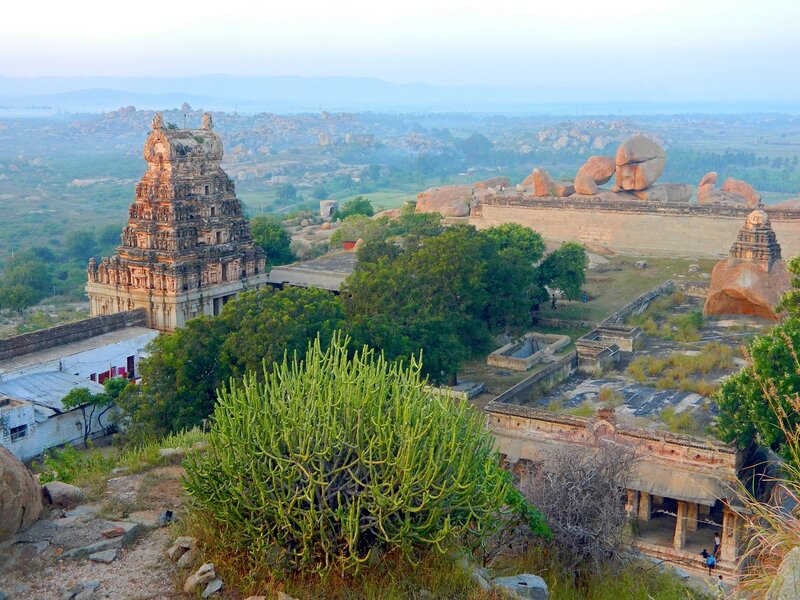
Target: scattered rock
point(599, 168)
point(172, 454)
point(187, 558)
point(106, 556)
point(284, 596)
point(641, 264)
point(667, 192)
point(693, 268)
point(525, 586)
point(20, 495)
point(203, 575)
point(63, 494)
point(305, 223)
point(165, 518)
point(131, 531)
point(113, 532)
point(563, 188)
point(185, 541)
point(325, 226)
point(494, 182)
point(585, 185)
point(743, 189)
point(639, 163)
point(213, 587)
point(478, 578)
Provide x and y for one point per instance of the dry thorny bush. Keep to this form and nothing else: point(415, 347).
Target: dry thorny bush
point(582, 495)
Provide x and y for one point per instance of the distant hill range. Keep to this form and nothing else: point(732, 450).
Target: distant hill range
point(48, 95)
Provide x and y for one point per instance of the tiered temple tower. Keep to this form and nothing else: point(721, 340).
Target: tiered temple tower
point(187, 248)
point(753, 278)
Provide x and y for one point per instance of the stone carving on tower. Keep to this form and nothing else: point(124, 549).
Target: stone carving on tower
point(187, 248)
point(753, 278)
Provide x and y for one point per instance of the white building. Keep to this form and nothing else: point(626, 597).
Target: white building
point(37, 370)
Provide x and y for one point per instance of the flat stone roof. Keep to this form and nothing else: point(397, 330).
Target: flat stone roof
point(326, 272)
point(10, 365)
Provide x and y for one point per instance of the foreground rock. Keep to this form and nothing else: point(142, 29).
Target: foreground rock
point(20, 496)
point(753, 278)
point(599, 168)
point(639, 163)
point(667, 192)
point(585, 185)
point(524, 586)
point(64, 495)
point(202, 576)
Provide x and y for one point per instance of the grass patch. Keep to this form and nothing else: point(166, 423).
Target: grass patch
point(90, 468)
point(657, 319)
point(679, 371)
point(682, 422)
point(609, 396)
point(584, 410)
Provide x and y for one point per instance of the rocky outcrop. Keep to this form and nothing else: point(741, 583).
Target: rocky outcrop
point(449, 201)
point(711, 195)
point(599, 168)
point(706, 187)
point(743, 189)
point(563, 188)
point(639, 163)
point(666, 192)
point(709, 178)
point(494, 182)
point(753, 278)
point(20, 496)
point(524, 586)
point(585, 185)
point(542, 183)
point(64, 495)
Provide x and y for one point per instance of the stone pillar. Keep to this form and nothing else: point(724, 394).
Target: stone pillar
point(644, 506)
point(679, 540)
point(703, 510)
point(632, 504)
point(691, 517)
point(731, 535)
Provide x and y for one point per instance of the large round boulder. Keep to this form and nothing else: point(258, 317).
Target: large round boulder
point(599, 168)
point(743, 189)
point(585, 185)
point(20, 495)
point(449, 201)
point(639, 163)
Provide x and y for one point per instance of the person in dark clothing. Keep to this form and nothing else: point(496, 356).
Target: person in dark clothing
point(553, 302)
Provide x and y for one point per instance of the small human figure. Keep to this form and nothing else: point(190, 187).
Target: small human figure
point(553, 302)
point(720, 587)
point(711, 563)
point(584, 298)
point(717, 544)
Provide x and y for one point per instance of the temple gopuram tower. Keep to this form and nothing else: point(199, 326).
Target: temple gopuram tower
point(187, 248)
point(753, 278)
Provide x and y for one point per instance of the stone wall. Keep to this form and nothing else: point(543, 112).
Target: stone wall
point(635, 228)
point(543, 380)
point(70, 332)
point(637, 305)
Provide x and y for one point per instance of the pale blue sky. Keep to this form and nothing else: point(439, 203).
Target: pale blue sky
point(644, 49)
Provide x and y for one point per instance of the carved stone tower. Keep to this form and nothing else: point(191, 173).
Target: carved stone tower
point(187, 248)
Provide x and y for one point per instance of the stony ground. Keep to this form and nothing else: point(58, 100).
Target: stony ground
point(32, 564)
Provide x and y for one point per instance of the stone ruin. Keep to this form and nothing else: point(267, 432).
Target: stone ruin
point(528, 351)
point(753, 278)
point(636, 167)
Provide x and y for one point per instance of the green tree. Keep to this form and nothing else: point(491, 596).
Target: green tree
point(355, 206)
point(26, 280)
point(286, 192)
point(265, 324)
point(273, 239)
point(791, 299)
point(753, 402)
point(94, 404)
point(81, 243)
point(319, 192)
point(179, 379)
point(336, 459)
point(476, 147)
point(512, 236)
point(18, 297)
point(565, 269)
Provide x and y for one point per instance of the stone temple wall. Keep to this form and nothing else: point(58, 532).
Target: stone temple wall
point(640, 229)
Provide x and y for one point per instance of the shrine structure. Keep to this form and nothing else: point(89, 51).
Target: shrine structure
point(187, 248)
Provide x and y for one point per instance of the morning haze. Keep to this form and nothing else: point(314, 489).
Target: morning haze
point(424, 300)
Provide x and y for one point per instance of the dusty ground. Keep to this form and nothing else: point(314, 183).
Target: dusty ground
point(30, 566)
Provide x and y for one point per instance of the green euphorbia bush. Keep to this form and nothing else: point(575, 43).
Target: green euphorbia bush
point(334, 459)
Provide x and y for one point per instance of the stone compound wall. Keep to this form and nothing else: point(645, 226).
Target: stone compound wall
point(70, 332)
point(639, 304)
point(551, 375)
point(635, 228)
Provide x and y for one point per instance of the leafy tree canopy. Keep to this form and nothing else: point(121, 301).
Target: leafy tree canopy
point(273, 239)
point(355, 206)
point(565, 269)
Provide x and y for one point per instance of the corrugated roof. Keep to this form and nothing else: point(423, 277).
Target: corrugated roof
point(46, 389)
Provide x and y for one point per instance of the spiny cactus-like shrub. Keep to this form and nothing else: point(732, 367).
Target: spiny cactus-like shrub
point(334, 459)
